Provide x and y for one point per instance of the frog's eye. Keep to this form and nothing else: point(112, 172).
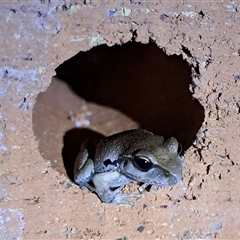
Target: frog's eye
point(179, 148)
point(142, 163)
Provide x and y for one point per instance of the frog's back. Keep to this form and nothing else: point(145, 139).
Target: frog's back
point(127, 142)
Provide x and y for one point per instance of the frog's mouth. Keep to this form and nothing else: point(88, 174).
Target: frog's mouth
point(146, 172)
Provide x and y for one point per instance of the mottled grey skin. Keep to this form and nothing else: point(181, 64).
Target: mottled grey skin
point(116, 163)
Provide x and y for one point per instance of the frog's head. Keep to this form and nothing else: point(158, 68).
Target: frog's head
point(162, 168)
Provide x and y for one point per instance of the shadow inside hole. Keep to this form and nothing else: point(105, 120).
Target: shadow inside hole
point(142, 82)
point(72, 142)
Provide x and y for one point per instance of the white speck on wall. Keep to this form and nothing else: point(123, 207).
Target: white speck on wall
point(41, 70)
point(74, 8)
point(145, 10)
point(12, 128)
point(86, 122)
point(11, 224)
point(81, 124)
point(229, 23)
point(77, 124)
point(190, 14)
point(76, 39)
point(111, 12)
point(16, 35)
point(126, 11)
point(3, 193)
point(231, 7)
point(7, 72)
point(121, 11)
point(95, 38)
point(3, 90)
point(2, 147)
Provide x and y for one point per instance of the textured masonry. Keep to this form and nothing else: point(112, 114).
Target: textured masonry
point(37, 36)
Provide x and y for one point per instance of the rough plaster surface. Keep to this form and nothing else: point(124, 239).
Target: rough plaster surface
point(39, 202)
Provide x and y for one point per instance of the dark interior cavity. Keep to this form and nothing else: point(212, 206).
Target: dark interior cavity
point(142, 82)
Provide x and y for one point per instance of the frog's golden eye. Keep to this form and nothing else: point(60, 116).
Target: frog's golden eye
point(142, 163)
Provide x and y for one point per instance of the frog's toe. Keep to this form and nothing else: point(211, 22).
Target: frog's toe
point(143, 187)
point(121, 198)
point(154, 188)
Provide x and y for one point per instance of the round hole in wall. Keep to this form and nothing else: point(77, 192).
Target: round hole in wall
point(110, 89)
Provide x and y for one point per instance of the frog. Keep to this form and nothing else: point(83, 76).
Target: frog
point(135, 155)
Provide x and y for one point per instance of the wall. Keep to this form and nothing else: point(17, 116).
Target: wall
point(39, 202)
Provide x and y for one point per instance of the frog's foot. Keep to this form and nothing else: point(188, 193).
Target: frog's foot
point(120, 198)
point(116, 197)
point(143, 187)
point(108, 186)
point(153, 188)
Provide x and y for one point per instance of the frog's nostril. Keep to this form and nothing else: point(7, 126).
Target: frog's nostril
point(167, 173)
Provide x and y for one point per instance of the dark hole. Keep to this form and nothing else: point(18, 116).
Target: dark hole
point(142, 82)
point(208, 169)
point(163, 206)
point(201, 14)
point(140, 228)
point(186, 50)
point(196, 69)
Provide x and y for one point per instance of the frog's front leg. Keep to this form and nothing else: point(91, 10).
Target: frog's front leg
point(106, 181)
point(83, 168)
